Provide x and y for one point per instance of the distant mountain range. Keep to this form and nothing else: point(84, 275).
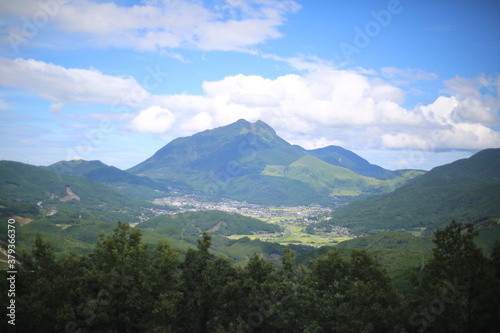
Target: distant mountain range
point(125, 182)
point(249, 161)
point(23, 184)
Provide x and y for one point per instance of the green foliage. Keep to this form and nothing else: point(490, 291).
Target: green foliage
point(458, 288)
point(213, 221)
point(389, 240)
point(125, 285)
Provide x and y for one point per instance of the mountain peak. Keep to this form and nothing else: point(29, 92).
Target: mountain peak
point(255, 127)
point(260, 125)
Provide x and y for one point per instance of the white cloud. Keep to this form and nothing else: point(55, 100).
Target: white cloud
point(440, 111)
point(200, 122)
point(466, 136)
point(405, 140)
point(477, 99)
point(347, 106)
point(164, 24)
point(333, 105)
point(153, 120)
point(69, 86)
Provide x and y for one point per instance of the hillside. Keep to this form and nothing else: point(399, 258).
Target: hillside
point(336, 181)
point(215, 222)
point(467, 190)
point(34, 192)
point(341, 157)
point(390, 240)
point(249, 161)
point(126, 183)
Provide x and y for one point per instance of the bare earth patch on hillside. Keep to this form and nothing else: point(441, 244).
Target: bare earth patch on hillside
point(22, 220)
point(70, 195)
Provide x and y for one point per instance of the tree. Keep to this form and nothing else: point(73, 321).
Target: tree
point(165, 281)
point(120, 289)
point(203, 280)
point(351, 295)
point(454, 286)
point(47, 289)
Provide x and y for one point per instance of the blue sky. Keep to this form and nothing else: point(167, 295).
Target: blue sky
point(405, 84)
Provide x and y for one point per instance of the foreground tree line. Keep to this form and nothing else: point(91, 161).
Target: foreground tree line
point(124, 285)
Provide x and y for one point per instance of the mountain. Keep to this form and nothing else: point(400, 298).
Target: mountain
point(241, 148)
point(249, 161)
point(341, 157)
point(336, 181)
point(125, 182)
point(467, 190)
point(27, 189)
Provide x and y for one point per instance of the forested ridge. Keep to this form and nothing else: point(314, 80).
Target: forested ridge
point(127, 285)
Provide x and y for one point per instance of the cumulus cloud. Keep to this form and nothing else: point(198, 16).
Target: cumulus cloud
point(153, 120)
point(69, 86)
point(333, 98)
point(405, 140)
point(165, 24)
point(338, 106)
point(313, 108)
point(477, 99)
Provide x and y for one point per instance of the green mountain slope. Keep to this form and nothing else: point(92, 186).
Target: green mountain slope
point(249, 161)
point(269, 190)
point(467, 190)
point(226, 162)
point(125, 182)
point(389, 240)
point(334, 180)
point(238, 149)
point(341, 157)
point(215, 222)
point(36, 192)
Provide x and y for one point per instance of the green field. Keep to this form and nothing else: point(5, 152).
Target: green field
point(294, 233)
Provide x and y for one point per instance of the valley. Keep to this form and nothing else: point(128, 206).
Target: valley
point(294, 232)
point(195, 203)
point(293, 220)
